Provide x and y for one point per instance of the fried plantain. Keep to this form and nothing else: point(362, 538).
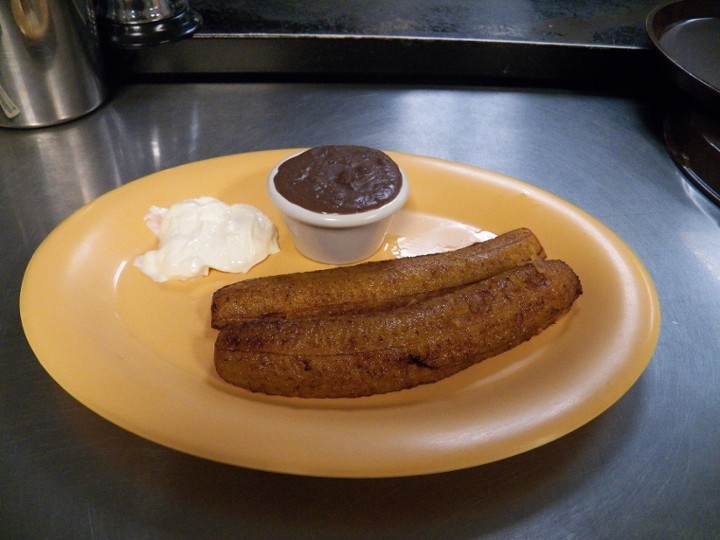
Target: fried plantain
point(371, 286)
point(361, 354)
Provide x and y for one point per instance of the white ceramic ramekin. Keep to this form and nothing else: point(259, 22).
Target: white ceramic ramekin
point(336, 238)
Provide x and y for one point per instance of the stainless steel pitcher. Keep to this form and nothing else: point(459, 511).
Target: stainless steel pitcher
point(50, 63)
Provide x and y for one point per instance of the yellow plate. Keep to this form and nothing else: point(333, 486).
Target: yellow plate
point(139, 353)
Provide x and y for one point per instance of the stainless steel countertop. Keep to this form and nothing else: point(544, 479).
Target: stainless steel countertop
point(648, 467)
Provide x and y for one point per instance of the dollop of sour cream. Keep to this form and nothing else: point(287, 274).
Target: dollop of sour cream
point(198, 234)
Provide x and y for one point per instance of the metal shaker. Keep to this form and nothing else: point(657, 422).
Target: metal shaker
point(50, 62)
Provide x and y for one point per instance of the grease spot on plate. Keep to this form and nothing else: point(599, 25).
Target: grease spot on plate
point(416, 233)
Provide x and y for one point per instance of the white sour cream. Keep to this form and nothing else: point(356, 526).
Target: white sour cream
point(198, 234)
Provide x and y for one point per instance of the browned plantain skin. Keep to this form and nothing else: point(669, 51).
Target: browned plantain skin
point(371, 286)
point(361, 354)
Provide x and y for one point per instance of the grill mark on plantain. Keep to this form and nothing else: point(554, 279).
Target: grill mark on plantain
point(419, 361)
